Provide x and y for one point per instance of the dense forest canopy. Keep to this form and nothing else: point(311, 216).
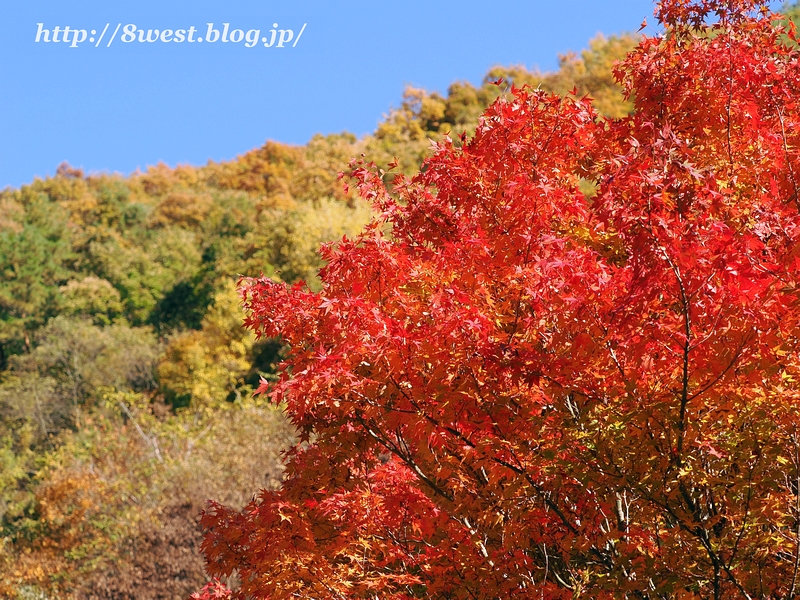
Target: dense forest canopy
point(126, 377)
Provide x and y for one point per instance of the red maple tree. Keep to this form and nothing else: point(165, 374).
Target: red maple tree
point(513, 386)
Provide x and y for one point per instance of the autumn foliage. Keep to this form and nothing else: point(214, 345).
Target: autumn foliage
point(512, 386)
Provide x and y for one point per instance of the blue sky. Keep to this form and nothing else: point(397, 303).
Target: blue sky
point(134, 104)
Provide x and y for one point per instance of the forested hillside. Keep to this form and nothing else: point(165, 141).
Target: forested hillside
point(126, 378)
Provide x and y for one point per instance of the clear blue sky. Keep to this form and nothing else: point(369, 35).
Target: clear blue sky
point(131, 105)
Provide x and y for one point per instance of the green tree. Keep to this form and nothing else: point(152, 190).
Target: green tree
point(32, 268)
point(286, 241)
